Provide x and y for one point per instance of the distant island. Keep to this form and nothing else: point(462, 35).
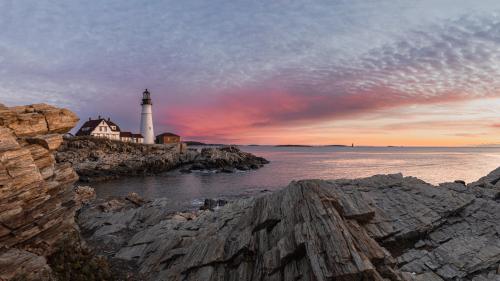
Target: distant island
point(292, 145)
point(197, 143)
point(336, 145)
point(303, 145)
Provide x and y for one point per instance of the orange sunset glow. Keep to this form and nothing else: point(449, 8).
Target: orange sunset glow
point(375, 74)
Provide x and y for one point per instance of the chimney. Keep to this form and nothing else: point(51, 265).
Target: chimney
point(90, 118)
point(109, 119)
point(99, 117)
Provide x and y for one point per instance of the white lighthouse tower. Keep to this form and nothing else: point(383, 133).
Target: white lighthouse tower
point(147, 118)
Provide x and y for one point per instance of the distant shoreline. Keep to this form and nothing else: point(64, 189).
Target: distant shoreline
point(293, 145)
point(195, 143)
point(191, 143)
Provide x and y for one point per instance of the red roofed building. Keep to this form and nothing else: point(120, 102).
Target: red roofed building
point(168, 138)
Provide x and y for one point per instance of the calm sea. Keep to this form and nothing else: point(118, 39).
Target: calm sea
point(434, 165)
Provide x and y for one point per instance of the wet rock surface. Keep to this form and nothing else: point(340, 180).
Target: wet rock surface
point(212, 204)
point(386, 227)
point(96, 159)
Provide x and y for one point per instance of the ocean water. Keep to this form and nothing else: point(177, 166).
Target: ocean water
point(434, 165)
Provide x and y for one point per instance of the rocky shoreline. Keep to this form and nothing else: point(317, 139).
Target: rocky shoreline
point(385, 227)
point(97, 159)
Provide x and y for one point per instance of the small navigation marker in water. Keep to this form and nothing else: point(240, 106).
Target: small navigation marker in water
point(352, 145)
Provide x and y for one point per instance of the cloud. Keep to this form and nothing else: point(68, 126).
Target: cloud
point(225, 69)
point(451, 62)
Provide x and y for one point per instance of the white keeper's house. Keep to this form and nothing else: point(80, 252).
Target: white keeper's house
point(105, 128)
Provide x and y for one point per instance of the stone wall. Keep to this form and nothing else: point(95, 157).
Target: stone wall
point(37, 205)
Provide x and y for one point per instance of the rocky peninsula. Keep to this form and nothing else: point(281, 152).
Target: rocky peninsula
point(96, 159)
point(385, 227)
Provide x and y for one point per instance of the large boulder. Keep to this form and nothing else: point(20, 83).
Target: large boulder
point(37, 119)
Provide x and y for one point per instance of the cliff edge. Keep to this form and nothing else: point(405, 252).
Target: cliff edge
point(36, 199)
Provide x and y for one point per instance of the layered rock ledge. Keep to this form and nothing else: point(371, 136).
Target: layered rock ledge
point(37, 206)
point(385, 227)
point(97, 159)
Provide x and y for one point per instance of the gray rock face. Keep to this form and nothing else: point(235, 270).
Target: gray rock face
point(97, 159)
point(379, 228)
point(16, 264)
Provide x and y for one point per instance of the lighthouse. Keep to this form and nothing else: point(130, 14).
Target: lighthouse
point(147, 118)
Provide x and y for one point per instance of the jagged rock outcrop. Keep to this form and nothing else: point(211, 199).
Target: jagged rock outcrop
point(379, 228)
point(97, 159)
point(37, 206)
point(225, 159)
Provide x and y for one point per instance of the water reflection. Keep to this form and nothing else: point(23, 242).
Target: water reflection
point(434, 165)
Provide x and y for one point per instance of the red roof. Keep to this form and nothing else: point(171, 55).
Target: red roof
point(139, 136)
point(167, 135)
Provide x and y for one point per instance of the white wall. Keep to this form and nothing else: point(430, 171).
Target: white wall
point(104, 131)
point(147, 130)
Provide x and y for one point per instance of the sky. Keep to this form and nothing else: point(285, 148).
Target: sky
point(414, 73)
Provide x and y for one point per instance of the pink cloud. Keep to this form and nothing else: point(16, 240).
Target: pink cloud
point(231, 116)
